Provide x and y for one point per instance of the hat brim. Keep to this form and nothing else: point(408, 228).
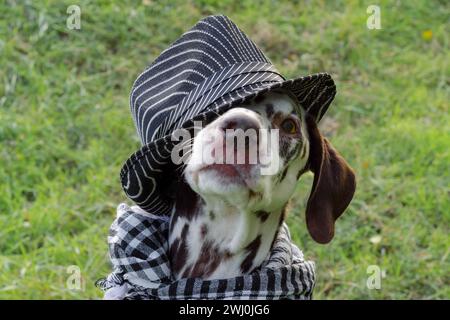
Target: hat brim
point(149, 176)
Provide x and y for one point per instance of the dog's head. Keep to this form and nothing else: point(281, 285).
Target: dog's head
point(252, 156)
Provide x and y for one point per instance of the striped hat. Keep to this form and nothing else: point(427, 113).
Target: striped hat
point(211, 68)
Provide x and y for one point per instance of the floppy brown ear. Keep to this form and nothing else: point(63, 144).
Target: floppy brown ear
point(333, 186)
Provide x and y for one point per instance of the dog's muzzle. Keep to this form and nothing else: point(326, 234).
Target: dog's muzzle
point(229, 146)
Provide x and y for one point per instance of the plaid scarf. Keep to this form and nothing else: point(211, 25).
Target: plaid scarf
point(138, 245)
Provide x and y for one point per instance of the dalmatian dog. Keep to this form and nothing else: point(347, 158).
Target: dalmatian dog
point(227, 215)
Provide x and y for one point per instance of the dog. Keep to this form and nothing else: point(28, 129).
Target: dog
point(226, 216)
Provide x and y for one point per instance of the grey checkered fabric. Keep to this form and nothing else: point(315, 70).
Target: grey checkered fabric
point(138, 244)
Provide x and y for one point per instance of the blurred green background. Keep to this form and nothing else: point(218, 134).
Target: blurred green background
point(66, 129)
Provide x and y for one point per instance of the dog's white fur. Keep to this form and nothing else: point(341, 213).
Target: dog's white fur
point(233, 224)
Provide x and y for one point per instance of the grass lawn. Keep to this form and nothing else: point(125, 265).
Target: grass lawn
point(66, 129)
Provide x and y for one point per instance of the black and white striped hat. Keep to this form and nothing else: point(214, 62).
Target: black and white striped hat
point(208, 70)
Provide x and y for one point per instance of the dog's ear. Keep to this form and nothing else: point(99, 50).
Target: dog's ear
point(333, 186)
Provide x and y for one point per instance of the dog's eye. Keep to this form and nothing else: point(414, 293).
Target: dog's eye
point(289, 126)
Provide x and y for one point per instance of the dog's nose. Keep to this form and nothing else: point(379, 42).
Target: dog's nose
point(240, 133)
point(242, 122)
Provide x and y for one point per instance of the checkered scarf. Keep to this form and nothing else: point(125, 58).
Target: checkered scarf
point(138, 244)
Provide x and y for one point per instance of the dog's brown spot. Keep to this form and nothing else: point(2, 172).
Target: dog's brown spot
point(187, 201)
point(174, 247)
point(283, 174)
point(187, 272)
point(227, 254)
point(209, 260)
point(269, 110)
point(173, 222)
point(294, 152)
point(278, 117)
point(284, 148)
point(178, 251)
point(184, 232)
point(262, 215)
point(253, 194)
point(203, 230)
point(252, 249)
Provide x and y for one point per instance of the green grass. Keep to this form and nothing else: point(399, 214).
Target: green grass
point(65, 130)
